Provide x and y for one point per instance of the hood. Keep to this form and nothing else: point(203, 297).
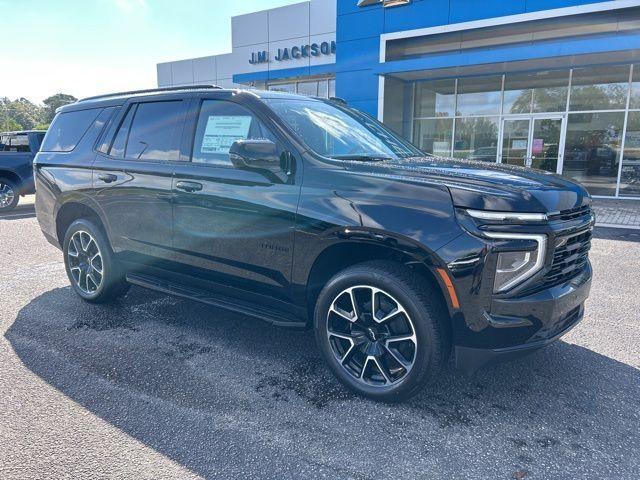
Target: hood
point(489, 186)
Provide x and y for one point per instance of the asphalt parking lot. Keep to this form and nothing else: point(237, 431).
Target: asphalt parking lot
point(158, 387)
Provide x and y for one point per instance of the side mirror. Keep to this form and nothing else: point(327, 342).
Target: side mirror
point(255, 155)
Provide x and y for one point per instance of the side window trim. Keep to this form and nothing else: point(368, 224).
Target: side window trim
point(130, 108)
point(126, 140)
point(103, 141)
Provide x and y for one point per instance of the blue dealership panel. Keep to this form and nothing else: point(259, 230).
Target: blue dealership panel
point(359, 30)
point(421, 14)
point(468, 10)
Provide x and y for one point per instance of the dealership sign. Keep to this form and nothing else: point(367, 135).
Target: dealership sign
point(294, 53)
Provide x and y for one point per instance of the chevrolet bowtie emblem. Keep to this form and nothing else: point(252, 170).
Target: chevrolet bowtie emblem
point(385, 3)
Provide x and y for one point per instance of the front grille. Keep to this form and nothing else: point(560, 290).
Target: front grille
point(570, 214)
point(569, 257)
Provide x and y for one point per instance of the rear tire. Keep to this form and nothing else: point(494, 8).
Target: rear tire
point(90, 264)
point(9, 196)
point(388, 352)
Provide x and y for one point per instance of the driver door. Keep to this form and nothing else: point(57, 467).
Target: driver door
point(233, 225)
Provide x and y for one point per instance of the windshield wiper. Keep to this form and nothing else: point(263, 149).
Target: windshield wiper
point(362, 157)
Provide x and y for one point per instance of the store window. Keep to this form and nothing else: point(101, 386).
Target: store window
point(600, 88)
point(634, 102)
point(434, 136)
point(630, 172)
point(308, 88)
point(283, 87)
point(324, 87)
point(537, 92)
point(479, 96)
point(477, 138)
point(530, 119)
point(592, 150)
point(435, 99)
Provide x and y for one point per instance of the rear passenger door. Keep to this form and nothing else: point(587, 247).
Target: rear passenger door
point(234, 226)
point(132, 178)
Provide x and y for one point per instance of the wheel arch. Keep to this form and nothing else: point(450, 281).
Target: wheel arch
point(73, 210)
point(12, 176)
point(341, 255)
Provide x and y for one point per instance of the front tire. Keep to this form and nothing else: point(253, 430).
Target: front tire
point(380, 328)
point(90, 264)
point(9, 196)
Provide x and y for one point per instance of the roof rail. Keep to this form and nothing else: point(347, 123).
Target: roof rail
point(339, 100)
point(152, 90)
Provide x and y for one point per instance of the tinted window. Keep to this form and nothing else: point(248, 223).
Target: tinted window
point(68, 129)
point(15, 143)
point(108, 131)
point(155, 131)
point(120, 142)
point(219, 125)
point(339, 132)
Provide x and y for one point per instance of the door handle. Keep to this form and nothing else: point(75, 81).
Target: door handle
point(107, 177)
point(189, 187)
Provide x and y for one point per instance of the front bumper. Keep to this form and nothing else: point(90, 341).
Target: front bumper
point(528, 323)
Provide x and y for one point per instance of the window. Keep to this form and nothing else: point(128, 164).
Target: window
point(324, 87)
point(109, 130)
point(600, 88)
point(15, 143)
point(544, 91)
point(477, 138)
point(635, 88)
point(155, 131)
point(434, 136)
point(308, 88)
point(67, 130)
point(120, 142)
point(283, 87)
point(435, 99)
point(592, 151)
point(630, 177)
point(339, 132)
point(221, 123)
point(479, 96)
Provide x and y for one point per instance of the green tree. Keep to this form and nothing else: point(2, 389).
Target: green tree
point(54, 102)
point(23, 112)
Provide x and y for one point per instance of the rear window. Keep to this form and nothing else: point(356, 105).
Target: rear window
point(68, 129)
point(15, 143)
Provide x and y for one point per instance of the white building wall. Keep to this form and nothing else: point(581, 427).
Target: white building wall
point(299, 24)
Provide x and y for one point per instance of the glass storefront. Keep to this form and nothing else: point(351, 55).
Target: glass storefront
point(323, 87)
point(583, 123)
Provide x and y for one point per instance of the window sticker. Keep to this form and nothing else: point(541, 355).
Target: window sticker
point(222, 131)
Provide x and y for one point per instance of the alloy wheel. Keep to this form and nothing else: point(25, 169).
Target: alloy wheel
point(7, 195)
point(85, 262)
point(371, 335)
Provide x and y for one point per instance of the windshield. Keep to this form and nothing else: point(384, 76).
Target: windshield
point(339, 132)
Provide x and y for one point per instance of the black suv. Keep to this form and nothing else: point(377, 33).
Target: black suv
point(307, 213)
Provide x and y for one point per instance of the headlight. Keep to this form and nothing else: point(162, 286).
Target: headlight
point(515, 267)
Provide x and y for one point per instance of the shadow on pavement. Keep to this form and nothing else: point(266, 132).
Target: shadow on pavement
point(21, 211)
point(227, 396)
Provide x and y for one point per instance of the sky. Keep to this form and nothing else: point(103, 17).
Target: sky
point(89, 47)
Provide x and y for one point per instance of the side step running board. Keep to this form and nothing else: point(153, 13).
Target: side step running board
point(275, 317)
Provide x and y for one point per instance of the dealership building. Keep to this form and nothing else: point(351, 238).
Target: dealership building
point(550, 84)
